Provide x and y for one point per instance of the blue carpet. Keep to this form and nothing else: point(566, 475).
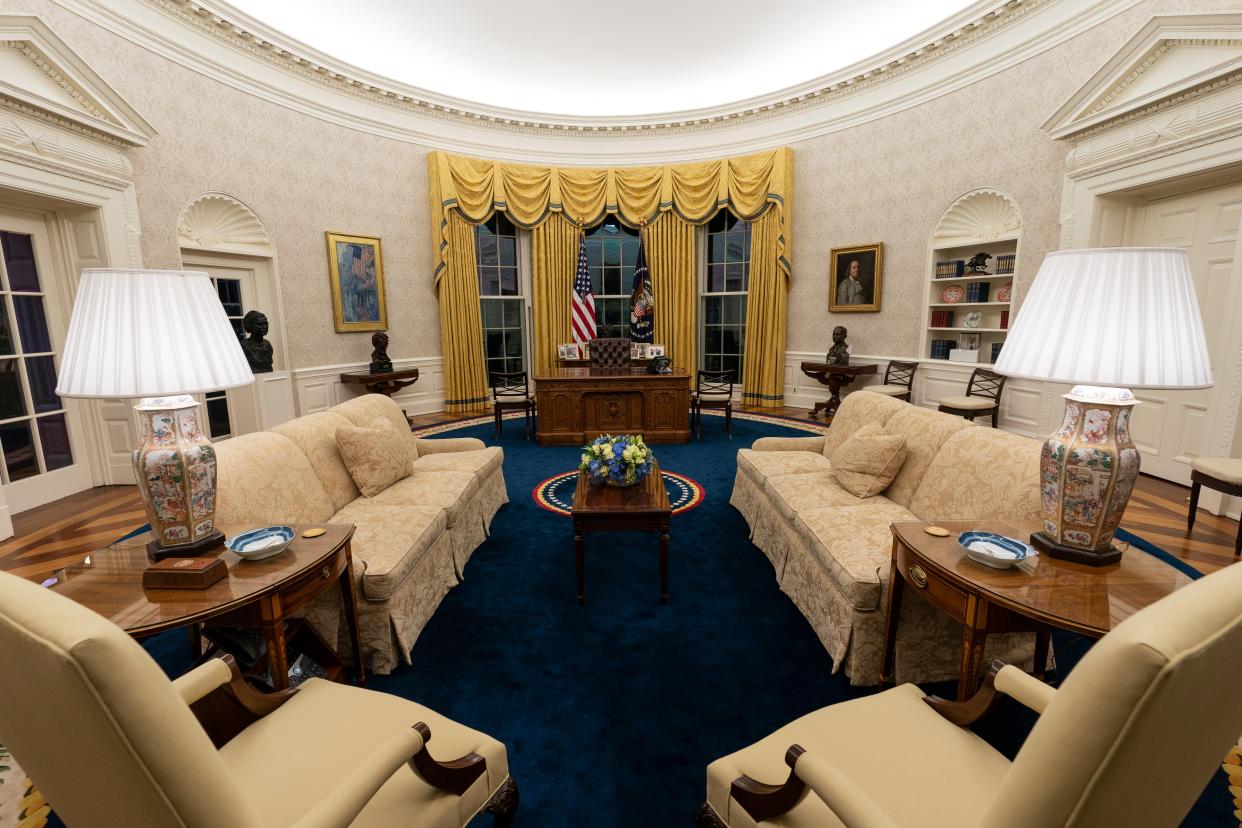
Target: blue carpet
point(611, 711)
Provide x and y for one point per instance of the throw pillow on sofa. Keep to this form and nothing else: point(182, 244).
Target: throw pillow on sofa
point(868, 460)
point(376, 456)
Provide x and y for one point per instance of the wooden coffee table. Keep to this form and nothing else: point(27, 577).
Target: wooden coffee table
point(255, 594)
point(1037, 596)
point(643, 507)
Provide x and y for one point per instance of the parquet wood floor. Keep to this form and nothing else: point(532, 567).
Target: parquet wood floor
point(62, 532)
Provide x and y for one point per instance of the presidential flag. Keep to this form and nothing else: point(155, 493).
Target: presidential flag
point(582, 301)
point(642, 302)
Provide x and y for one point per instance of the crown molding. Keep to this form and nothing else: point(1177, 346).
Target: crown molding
point(216, 40)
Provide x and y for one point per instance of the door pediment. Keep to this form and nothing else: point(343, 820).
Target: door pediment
point(42, 76)
point(1169, 59)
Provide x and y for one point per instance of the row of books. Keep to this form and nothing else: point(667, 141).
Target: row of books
point(950, 269)
point(977, 291)
point(942, 319)
point(1004, 319)
point(1004, 264)
point(940, 348)
point(996, 349)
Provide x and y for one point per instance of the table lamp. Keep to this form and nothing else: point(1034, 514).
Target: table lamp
point(161, 335)
point(1106, 320)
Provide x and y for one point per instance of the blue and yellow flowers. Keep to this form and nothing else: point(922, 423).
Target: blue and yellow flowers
point(618, 461)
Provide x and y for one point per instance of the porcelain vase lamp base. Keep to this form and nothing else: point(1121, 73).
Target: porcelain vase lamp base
point(1087, 470)
point(175, 466)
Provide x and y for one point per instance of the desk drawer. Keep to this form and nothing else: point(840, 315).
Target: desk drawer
point(923, 579)
point(310, 584)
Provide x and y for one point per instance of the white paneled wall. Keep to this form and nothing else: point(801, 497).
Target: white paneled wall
point(319, 388)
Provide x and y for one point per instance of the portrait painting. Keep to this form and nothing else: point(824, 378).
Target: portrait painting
point(356, 272)
point(856, 278)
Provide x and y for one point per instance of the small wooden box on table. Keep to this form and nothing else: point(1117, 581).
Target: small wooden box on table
point(1039, 595)
point(576, 405)
point(643, 507)
point(256, 594)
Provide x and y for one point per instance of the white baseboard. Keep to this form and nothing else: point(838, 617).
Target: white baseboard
point(319, 388)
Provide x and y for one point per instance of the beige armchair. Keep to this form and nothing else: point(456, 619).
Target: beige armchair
point(110, 741)
point(1130, 738)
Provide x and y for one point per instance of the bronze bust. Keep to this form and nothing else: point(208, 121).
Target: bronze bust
point(258, 350)
point(839, 353)
point(380, 363)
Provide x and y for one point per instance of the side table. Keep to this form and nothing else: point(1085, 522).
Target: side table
point(1039, 595)
point(387, 383)
point(835, 377)
point(256, 594)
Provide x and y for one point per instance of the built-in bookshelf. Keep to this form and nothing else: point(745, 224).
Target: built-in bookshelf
point(972, 306)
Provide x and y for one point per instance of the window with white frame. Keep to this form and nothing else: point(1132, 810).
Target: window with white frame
point(502, 301)
point(219, 423)
point(612, 249)
point(725, 283)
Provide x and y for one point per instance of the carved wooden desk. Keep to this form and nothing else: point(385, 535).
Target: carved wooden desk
point(256, 594)
point(833, 376)
point(1038, 595)
point(576, 405)
point(387, 383)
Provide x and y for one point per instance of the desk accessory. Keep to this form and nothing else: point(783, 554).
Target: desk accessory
point(257, 544)
point(996, 551)
point(184, 573)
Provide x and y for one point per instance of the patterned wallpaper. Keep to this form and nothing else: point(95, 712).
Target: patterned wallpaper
point(886, 181)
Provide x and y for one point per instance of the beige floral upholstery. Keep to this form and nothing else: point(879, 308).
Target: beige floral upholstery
point(376, 456)
point(869, 460)
point(971, 403)
point(412, 540)
point(315, 435)
point(831, 551)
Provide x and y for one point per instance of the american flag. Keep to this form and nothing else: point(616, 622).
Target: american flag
point(582, 304)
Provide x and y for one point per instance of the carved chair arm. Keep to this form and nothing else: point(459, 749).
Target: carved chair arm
point(203, 679)
point(1025, 688)
point(230, 706)
point(1001, 679)
point(846, 800)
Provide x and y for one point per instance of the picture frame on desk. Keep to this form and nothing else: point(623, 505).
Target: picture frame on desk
point(654, 351)
point(568, 350)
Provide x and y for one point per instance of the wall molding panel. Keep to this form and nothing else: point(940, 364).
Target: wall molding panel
point(319, 388)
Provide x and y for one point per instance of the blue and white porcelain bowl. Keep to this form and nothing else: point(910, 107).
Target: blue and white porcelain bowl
point(257, 544)
point(991, 549)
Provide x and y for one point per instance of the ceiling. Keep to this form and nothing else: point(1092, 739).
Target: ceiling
point(641, 57)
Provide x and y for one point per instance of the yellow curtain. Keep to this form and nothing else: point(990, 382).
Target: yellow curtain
point(767, 301)
point(669, 242)
point(554, 261)
point(461, 327)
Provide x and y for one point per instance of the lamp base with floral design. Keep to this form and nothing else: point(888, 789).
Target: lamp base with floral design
point(1087, 470)
point(175, 466)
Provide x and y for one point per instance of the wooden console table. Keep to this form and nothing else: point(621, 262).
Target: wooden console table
point(833, 376)
point(387, 383)
point(576, 405)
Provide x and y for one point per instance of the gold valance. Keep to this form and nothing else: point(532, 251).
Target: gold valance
point(526, 193)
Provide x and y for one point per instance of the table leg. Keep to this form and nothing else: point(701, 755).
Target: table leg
point(1041, 653)
point(973, 639)
point(664, 563)
point(580, 559)
point(194, 633)
point(274, 633)
point(349, 596)
point(896, 585)
point(834, 400)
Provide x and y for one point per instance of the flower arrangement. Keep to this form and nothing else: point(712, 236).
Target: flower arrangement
point(617, 461)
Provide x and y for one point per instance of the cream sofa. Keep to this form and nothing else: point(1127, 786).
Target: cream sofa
point(832, 550)
point(412, 540)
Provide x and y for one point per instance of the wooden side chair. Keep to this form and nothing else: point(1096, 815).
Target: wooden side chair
point(511, 391)
point(1129, 738)
point(713, 390)
point(898, 380)
point(109, 740)
point(983, 393)
point(1223, 474)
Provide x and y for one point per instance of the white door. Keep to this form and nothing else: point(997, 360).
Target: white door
point(1169, 426)
point(42, 455)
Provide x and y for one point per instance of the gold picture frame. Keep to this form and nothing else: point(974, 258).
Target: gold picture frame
point(861, 292)
point(356, 276)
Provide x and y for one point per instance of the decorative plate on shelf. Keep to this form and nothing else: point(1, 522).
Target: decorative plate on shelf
point(1005, 292)
point(973, 319)
point(952, 294)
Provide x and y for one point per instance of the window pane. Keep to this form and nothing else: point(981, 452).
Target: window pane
point(612, 253)
point(508, 252)
point(491, 314)
point(41, 374)
point(595, 254)
point(54, 437)
point(732, 313)
point(730, 340)
point(734, 364)
point(495, 347)
point(508, 281)
point(629, 253)
point(711, 362)
point(7, 345)
point(735, 246)
point(19, 454)
point(513, 314)
point(711, 340)
point(742, 302)
point(513, 344)
point(12, 400)
point(19, 260)
point(218, 416)
point(237, 328)
point(597, 281)
point(489, 282)
point(512, 366)
point(32, 324)
point(487, 256)
point(715, 278)
point(711, 311)
point(229, 291)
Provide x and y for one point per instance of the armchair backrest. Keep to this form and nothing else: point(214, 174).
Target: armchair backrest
point(97, 725)
point(1141, 723)
point(985, 383)
point(611, 352)
point(510, 384)
point(900, 373)
point(716, 382)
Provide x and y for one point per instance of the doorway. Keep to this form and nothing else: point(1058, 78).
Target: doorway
point(42, 453)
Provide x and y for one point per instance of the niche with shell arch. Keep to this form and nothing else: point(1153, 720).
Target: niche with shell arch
point(968, 307)
point(223, 224)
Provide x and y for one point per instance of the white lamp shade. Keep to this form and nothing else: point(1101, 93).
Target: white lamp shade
point(149, 333)
point(1116, 316)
